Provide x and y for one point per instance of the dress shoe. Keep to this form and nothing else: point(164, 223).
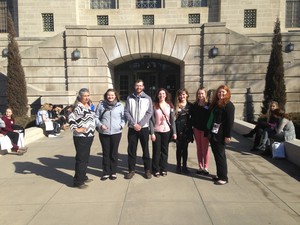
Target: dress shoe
point(157, 174)
point(164, 174)
point(80, 186)
point(105, 177)
point(113, 177)
point(129, 175)
point(148, 174)
point(220, 182)
point(185, 170)
point(88, 180)
point(205, 171)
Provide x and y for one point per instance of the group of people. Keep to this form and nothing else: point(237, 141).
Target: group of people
point(52, 118)
point(162, 122)
point(277, 127)
point(11, 134)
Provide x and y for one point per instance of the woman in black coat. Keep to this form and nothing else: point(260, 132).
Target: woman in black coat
point(220, 124)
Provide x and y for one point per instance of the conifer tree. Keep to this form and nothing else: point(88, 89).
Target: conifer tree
point(16, 84)
point(275, 84)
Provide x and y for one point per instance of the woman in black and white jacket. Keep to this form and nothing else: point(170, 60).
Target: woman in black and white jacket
point(82, 123)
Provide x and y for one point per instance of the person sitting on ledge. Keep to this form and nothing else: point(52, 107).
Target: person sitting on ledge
point(12, 146)
point(262, 125)
point(50, 127)
point(284, 131)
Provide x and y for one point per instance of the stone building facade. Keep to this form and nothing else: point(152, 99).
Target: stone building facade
point(167, 43)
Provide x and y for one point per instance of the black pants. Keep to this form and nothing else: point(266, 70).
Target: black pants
point(132, 138)
point(83, 148)
point(218, 149)
point(160, 152)
point(110, 146)
point(14, 137)
point(182, 152)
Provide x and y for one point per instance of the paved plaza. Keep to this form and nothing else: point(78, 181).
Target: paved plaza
point(36, 189)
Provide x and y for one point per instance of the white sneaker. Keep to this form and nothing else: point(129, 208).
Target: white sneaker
point(57, 134)
point(51, 135)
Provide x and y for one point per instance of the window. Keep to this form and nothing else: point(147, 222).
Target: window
point(292, 14)
point(102, 20)
point(103, 4)
point(193, 3)
point(148, 4)
point(194, 18)
point(3, 16)
point(148, 19)
point(250, 18)
point(48, 22)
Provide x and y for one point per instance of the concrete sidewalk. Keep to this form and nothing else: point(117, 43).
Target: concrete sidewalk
point(36, 190)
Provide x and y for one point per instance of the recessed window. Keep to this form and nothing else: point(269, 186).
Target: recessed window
point(102, 20)
point(144, 4)
point(193, 3)
point(250, 18)
point(3, 16)
point(292, 14)
point(48, 22)
point(103, 4)
point(194, 18)
point(148, 19)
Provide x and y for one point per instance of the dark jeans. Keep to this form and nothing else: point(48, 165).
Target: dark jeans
point(160, 152)
point(218, 149)
point(182, 152)
point(110, 146)
point(14, 136)
point(132, 138)
point(83, 148)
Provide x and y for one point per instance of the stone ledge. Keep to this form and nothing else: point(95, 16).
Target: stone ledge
point(292, 148)
point(32, 134)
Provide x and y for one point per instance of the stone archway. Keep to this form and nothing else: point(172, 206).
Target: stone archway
point(155, 73)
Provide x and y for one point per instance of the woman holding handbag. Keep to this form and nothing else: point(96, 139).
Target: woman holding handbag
point(162, 125)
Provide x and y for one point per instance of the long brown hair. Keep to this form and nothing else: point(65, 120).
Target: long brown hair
point(114, 91)
point(168, 98)
point(280, 113)
point(221, 102)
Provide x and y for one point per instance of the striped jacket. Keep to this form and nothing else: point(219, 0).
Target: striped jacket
point(82, 117)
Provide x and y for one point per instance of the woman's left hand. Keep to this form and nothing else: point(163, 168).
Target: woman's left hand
point(174, 137)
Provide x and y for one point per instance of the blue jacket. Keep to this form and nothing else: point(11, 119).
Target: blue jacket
point(112, 117)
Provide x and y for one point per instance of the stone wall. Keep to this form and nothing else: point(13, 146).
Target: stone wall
point(53, 76)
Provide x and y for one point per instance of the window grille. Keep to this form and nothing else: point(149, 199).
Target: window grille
point(148, 4)
point(48, 22)
point(102, 20)
point(193, 3)
point(3, 16)
point(148, 19)
point(194, 18)
point(250, 18)
point(103, 4)
point(292, 14)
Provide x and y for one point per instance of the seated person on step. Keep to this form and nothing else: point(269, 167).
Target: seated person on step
point(13, 131)
point(270, 123)
point(284, 131)
point(51, 128)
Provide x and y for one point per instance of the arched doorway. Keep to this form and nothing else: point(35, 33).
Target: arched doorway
point(154, 72)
